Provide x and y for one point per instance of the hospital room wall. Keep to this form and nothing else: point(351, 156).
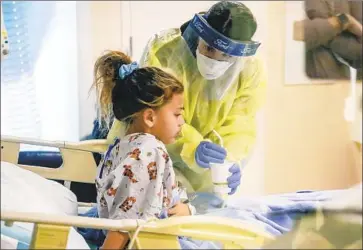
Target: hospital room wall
point(99, 29)
point(307, 143)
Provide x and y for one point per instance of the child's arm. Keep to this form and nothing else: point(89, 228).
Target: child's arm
point(115, 240)
point(183, 206)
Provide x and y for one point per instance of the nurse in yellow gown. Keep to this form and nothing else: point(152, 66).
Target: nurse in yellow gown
point(215, 57)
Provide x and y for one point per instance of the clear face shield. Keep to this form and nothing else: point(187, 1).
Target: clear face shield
point(219, 59)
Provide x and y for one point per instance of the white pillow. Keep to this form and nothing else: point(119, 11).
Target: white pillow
point(25, 191)
point(22, 189)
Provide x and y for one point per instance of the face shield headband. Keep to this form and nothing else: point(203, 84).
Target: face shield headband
point(220, 42)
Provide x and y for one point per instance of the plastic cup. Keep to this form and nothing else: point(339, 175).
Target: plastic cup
point(220, 174)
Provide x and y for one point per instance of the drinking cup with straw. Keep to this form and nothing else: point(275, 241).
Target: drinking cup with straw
point(220, 173)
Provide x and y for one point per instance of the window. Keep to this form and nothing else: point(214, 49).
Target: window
point(39, 93)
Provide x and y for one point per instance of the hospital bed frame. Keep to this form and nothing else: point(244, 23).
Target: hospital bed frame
point(51, 231)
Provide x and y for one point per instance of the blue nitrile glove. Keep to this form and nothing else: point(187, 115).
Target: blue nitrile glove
point(208, 152)
point(235, 179)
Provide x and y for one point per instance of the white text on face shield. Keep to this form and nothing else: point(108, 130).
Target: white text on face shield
point(221, 43)
point(246, 50)
point(199, 26)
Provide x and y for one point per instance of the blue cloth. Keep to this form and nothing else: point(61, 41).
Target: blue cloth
point(127, 69)
point(188, 243)
point(93, 236)
point(99, 131)
point(277, 213)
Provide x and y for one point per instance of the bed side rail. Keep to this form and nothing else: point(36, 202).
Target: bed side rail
point(78, 161)
point(219, 229)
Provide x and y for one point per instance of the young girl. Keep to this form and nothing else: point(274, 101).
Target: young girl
point(135, 179)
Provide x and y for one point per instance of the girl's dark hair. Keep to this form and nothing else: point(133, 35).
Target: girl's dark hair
point(232, 19)
point(147, 87)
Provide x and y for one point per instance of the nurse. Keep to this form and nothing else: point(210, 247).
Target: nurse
point(214, 56)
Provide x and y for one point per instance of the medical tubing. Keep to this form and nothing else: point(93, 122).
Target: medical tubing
point(219, 137)
point(221, 142)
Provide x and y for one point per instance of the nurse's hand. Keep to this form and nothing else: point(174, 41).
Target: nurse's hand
point(208, 152)
point(235, 179)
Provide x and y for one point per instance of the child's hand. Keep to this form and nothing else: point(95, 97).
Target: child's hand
point(180, 209)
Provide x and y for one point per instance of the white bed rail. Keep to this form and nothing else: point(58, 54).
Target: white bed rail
point(218, 229)
point(78, 161)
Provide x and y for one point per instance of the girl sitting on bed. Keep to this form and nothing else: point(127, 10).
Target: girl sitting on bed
point(135, 179)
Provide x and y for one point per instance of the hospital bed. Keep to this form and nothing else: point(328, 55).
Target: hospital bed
point(51, 231)
point(78, 165)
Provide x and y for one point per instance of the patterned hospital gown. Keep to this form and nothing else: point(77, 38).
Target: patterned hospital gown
point(135, 179)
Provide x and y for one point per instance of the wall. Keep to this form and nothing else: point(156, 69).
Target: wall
point(254, 173)
point(307, 144)
point(99, 29)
